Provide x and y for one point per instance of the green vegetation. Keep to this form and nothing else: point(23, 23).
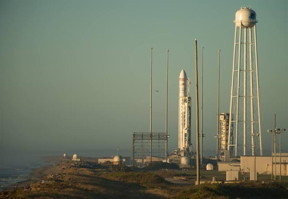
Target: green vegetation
point(231, 191)
point(245, 190)
point(161, 165)
point(147, 179)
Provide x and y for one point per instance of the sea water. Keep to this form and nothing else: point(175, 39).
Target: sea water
point(17, 166)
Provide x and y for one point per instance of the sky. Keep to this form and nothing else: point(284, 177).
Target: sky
point(75, 75)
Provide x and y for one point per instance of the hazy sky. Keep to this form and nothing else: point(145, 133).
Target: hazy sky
point(74, 75)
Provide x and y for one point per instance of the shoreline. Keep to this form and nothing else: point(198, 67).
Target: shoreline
point(35, 174)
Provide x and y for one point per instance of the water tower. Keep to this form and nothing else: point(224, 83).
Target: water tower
point(244, 136)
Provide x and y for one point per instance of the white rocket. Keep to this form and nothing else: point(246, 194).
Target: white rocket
point(184, 123)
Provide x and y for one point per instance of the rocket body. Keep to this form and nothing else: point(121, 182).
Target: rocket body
point(184, 123)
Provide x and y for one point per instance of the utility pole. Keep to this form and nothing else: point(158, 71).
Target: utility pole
point(280, 146)
point(151, 132)
point(274, 132)
point(166, 121)
point(197, 118)
point(218, 137)
point(202, 107)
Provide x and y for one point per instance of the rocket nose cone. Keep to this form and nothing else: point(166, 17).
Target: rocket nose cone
point(182, 74)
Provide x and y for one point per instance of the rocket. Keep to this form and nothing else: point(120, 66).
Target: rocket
point(184, 122)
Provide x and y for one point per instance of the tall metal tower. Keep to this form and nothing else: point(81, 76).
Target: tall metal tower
point(245, 116)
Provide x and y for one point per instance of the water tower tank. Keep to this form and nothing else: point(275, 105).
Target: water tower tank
point(245, 17)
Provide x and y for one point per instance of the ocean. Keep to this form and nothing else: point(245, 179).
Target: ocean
point(17, 167)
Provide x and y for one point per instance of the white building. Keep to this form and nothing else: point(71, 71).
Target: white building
point(263, 164)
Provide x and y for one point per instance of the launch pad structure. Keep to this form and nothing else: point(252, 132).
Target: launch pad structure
point(147, 144)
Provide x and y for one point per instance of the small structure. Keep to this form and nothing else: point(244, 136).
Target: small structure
point(209, 167)
point(276, 164)
point(229, 166)
point(117, 160)
point(105, 160)
point(232, 175)
point(184, 162)
point(75, 158)
point(253, 175)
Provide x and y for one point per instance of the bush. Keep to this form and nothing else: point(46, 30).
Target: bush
point(161, 165)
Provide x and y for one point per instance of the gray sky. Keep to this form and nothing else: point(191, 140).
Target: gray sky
point(74, 75)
